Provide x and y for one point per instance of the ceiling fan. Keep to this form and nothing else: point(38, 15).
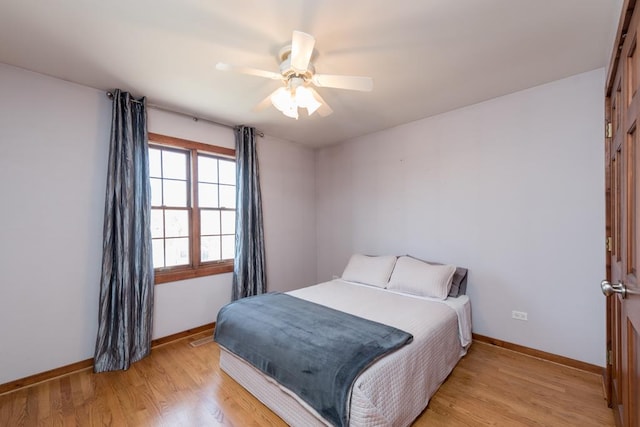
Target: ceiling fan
point(298, 75)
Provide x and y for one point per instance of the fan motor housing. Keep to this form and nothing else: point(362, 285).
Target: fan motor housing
point(287, 71)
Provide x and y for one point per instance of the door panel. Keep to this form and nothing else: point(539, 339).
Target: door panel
point(630, 204)
point(623, 222)
point(617, 353)
point(634, 353)
point(615, 309)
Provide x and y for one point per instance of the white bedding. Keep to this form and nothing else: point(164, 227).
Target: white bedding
point(395, 389)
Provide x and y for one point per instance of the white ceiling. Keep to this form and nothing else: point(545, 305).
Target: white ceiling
point(425, 56)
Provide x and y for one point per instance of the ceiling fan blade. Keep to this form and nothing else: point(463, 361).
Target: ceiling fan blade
point(324, 110)
point(301, 50)
point(265, 103)
point(221, 66)
point(364, 84)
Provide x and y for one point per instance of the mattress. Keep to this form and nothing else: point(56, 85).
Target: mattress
point(395, 389)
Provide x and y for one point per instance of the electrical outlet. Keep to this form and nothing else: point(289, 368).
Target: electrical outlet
point(335, 277)
point(519, 315)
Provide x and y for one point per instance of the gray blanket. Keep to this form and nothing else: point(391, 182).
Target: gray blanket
point(315, 351)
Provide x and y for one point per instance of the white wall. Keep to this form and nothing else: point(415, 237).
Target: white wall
point(287, 177)
point(53, 154)
point(53, 150)
point(512, 188)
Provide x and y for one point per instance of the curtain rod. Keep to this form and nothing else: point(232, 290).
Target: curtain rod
point(195, 119)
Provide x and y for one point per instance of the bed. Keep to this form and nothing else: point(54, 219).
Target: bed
point(395, 389)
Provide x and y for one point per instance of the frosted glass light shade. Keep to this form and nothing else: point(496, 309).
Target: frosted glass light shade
point(291, 112)
point(305, 99)
point(282, 99)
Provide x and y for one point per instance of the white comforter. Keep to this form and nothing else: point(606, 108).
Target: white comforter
point(394, 390)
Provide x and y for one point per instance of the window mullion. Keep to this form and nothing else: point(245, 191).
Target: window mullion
point(195, 211)
point(219, 210)
point(164, 237)
point(164, 213)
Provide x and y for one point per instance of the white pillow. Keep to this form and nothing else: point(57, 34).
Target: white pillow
point(370, 270)
point(415, 277)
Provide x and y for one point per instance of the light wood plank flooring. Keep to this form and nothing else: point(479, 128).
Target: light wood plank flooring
point(180, 385)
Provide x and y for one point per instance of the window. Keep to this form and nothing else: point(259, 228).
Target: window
point(193, 208)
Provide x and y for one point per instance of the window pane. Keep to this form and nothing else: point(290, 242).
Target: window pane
point(210, 248)
point(228, 247)
point(227, 196)
point(177, 251)
point(157, 248)
point(155, 163)
point(156, 192)
point(174, 165)
point(207, 169)
point(157, 225)
point(209, 222)
point(228, 222)
point(227, 172)
point(175, 193)
point(172, 222)
point(176, 223)
point(208, 195)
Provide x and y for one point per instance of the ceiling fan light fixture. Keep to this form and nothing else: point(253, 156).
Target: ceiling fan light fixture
point(285, 102)
point(292, 113)
point(288, 99)
point(282, 99)
point(305, 99)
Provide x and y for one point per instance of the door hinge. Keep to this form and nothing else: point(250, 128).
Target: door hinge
point(609, 357)
point(608, 131)
point(609, 244)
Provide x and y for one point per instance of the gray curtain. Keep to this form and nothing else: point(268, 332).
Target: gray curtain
point(249, 276)
point(126, 287)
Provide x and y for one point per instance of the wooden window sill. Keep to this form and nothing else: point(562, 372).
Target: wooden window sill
point(190, 272)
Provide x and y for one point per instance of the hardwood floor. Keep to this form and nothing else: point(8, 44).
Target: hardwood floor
point(181, 385)
point(495, 386)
